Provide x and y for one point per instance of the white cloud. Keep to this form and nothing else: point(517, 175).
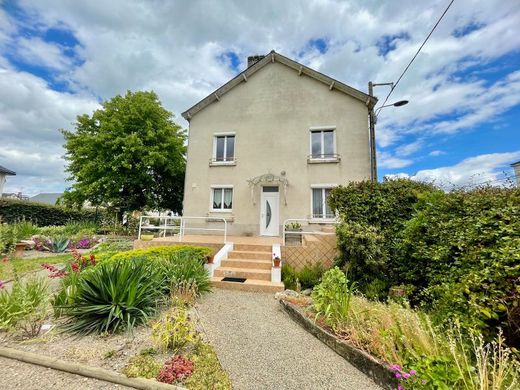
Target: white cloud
point(386, 160)
point(436, 153)
point(490, 169)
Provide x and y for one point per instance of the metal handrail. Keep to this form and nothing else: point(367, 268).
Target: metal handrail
point(181, 226)
point(164, 227)
point(308, 221)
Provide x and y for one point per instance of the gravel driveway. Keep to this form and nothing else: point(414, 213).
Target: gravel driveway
point(262, 348)
point(19, 375)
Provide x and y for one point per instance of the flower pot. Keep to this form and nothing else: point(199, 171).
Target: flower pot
point(209, 259)
point(146, 237)
point(277, 263)
point(19, 248)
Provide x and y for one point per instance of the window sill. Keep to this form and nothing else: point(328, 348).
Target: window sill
point(323, 221)
point(334, 160)
point(213, 163)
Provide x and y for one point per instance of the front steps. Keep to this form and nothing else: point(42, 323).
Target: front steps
point(252, 262)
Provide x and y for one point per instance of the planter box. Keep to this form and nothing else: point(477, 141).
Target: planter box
point(378, 371)
point(293, 239)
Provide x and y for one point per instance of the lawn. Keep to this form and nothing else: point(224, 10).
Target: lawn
point(29, 264)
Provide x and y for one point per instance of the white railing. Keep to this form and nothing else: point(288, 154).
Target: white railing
point(210, 219)
point(308, 221)
point(180, 227)
point(161, 226)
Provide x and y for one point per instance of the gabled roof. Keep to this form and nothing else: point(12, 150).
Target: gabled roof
point(47, 197)
point(6, 171)
point(275, 57)
point(515, 164)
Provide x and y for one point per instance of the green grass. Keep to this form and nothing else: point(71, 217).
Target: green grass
point(25, 265)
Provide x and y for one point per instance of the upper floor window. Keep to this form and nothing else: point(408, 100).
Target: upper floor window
point(222, 198)
point(323, 144)
point(224, 148)
point(320, 206)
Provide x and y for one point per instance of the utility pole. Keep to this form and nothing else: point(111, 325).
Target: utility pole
point(372, 136)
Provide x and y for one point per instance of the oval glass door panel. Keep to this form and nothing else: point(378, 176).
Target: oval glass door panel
point(268, 214)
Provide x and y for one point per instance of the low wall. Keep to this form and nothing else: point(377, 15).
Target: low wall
point(315, 249)
point(138, 244)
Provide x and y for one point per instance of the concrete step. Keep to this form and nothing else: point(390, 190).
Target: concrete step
point(250, 255)
point(252, 247)
point(249, 285)
point(247, 263)
point(248, 273)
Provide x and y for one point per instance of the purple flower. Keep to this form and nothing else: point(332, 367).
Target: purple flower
point(395, 367)
point(398, 375)
point(400, 387)
point(406, 375)
point(2, 285)
point(413, 372)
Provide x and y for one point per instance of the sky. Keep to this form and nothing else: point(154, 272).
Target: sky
point(59, 59)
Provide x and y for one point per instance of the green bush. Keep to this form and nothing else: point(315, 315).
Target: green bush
point(24, 230)
point(164, 252)
point(12, 211)
point(207, 373)
point(307, 277)
point(7, 238)
point(113, 296)
point(174, 330)
point(372, 214)
point(461, 251)
point(142, 365)
point(24, 299)
point(332, 297)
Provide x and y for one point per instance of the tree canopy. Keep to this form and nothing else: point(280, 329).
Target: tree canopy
point(129, 154)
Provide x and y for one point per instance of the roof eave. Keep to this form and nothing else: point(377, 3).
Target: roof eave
point(369, 101)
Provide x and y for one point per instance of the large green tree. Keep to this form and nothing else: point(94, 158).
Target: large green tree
point(129, 154)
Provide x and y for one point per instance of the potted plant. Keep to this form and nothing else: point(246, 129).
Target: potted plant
point(276, 261)
point(19, 248)
point(293, 238)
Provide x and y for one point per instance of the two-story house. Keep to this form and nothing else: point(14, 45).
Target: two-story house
point(271, 143)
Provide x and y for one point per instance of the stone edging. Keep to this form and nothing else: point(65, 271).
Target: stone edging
point(80, 369)
point(379, 372)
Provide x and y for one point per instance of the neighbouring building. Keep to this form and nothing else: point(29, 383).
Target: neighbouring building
point(271, 143)
point(4, 172)
point(516, 168)
point(47, 197)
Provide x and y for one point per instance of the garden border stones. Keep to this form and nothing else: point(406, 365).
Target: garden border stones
point(373, 368)
point(80, 369)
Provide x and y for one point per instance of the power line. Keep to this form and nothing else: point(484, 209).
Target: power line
point(416, 54)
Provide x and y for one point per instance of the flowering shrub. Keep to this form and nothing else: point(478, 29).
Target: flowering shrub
point(175, 369)
point(84, 243)
point(407, 380)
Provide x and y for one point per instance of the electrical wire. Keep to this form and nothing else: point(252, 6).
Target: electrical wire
point(415, 56)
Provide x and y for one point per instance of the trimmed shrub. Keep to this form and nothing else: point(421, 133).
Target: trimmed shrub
point(165, 252)
point(12, 211)
point(308, 276)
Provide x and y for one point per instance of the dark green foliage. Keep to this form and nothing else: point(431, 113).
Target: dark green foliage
point(308, 276)
point(184, 269)
point(12, 211)
point(461, 251)
point(129, 154)
point(372, 215)
point(114, 296)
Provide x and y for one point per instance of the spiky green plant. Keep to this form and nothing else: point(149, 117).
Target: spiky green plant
point(114, 296)
point(57, 244)
point(184, 268)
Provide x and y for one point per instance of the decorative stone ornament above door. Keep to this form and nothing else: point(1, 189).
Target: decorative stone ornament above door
point(270, 179)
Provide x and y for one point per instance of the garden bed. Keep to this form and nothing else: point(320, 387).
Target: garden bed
point(378, 371)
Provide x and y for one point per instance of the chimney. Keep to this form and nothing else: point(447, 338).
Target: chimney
point(251, 60)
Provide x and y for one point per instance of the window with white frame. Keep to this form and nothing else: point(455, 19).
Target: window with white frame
point(222, 198)
point(323, 144)
point(224, 148)
point(320, 206)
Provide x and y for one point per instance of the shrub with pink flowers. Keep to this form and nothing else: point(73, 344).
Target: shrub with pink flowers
point(408, 380)
point(175, 369)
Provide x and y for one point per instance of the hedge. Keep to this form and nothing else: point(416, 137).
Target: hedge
point(160, 252)
point(41, 214)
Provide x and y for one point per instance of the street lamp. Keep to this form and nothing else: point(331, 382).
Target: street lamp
point(372, 117)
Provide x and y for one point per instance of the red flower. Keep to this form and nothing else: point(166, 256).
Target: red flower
point(93, 259)
point(175, 369)
point(74, 267)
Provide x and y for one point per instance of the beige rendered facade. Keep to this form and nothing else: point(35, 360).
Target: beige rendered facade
point(270, 144)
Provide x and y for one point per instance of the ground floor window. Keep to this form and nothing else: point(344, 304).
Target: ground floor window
point(320, 207)
point(222, 198)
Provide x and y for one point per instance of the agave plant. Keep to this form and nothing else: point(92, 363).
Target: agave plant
point(113, 296)
point(57, 244)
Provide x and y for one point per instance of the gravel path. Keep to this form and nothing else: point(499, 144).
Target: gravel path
point(18, 375)
point(262, 348)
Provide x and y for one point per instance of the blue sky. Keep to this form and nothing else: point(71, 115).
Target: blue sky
point(59, 59)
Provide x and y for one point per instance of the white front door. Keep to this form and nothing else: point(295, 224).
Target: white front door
point(269, 211)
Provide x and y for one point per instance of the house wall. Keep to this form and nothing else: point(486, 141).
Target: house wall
point(271, 115)
point(2, 182)
point(516, 168)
